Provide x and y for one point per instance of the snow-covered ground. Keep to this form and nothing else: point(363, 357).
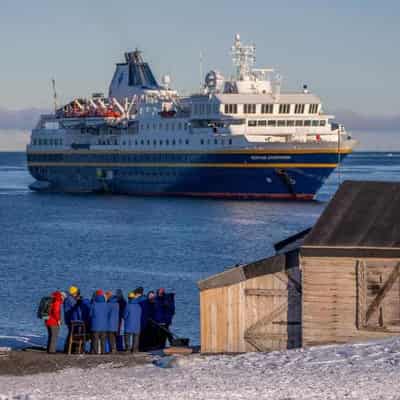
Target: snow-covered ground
point(360, 371)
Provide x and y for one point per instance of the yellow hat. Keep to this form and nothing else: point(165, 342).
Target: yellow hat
point(73, 290)
point(131, 295)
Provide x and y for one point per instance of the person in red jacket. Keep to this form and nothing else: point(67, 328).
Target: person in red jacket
point(53, 323)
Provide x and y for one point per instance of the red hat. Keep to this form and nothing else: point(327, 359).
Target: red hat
point(99, 292)
point(161, 291)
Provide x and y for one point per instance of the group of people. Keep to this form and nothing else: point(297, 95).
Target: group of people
point(139, 323)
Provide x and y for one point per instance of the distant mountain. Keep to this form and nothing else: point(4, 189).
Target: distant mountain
point(27, 118)
point(20, 119)
point(354, 121)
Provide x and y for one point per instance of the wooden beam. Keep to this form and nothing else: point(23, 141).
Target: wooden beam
point(383, 292)
point(271, 292)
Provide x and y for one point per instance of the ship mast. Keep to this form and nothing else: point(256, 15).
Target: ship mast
point(244, 57)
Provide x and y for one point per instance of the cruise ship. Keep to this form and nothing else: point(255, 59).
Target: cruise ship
point(238, 137)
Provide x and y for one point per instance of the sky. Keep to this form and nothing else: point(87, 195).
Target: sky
point(346, 51)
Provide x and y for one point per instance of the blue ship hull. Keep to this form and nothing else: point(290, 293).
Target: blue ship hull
point(234, 174)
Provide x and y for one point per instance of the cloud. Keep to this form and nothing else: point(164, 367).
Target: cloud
point(355, 121)
point(20, 119)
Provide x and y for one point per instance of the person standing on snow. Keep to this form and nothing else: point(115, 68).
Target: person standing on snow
point(53, 323)
point(112, 322)
point(72, 311)
point(132, 322)
point(164, 310)
point(98, 322)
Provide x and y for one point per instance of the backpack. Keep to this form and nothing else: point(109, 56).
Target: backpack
point(44, 308)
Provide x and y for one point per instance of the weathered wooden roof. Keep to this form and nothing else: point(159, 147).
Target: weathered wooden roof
point(270, 265)
point(362, 219)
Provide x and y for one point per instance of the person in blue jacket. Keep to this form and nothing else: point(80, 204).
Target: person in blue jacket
point(98, 322)
point(71, 311)
point(113, 322)
point(132, 321)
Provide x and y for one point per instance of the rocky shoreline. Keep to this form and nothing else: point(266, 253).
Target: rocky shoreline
point(35, 361)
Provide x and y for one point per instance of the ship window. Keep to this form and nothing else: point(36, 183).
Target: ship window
point(216, 108)
point(185, 126)
point(281, 123)
point(161, 142)
point(315, 123)
point(299, 123)
point(284, 108)
point(322, 123)
point(313, 108)
point(271, 122)
point(230, 108)
point(142, 142)
point(148, 143)
point(180, 141)
point(267, 108)
point(167, 142)
point(307, 123)
point(249, 108)
point(215, 141)
point(154, 142)
point(299, 109)
point(202, 141)
point(173, 142)
point(252, 123)
point(290, 123)
point(187, 141)
point(262, 122)
point(230, 141)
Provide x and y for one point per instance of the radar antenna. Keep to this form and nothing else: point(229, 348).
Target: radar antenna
point(53, 84)
point(244, 57)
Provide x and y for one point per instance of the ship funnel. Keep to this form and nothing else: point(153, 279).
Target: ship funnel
point(132, 77)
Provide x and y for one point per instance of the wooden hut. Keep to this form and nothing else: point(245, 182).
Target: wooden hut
point(336, 283)
point(350, 264)
point(254, 307)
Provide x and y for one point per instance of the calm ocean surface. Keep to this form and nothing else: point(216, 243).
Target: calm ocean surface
point(50, 241)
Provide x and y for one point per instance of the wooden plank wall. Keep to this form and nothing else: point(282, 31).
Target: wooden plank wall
point(221, 319)
point(330, 301)
point(227, 313)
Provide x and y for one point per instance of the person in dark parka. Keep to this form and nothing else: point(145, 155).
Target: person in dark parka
point(72, 311)
point(113, 322)
point(98, 322)
point(132, 321)
point(164, 310)
point(122, 304)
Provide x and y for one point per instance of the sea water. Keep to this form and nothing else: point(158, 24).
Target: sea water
point(50, 241)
